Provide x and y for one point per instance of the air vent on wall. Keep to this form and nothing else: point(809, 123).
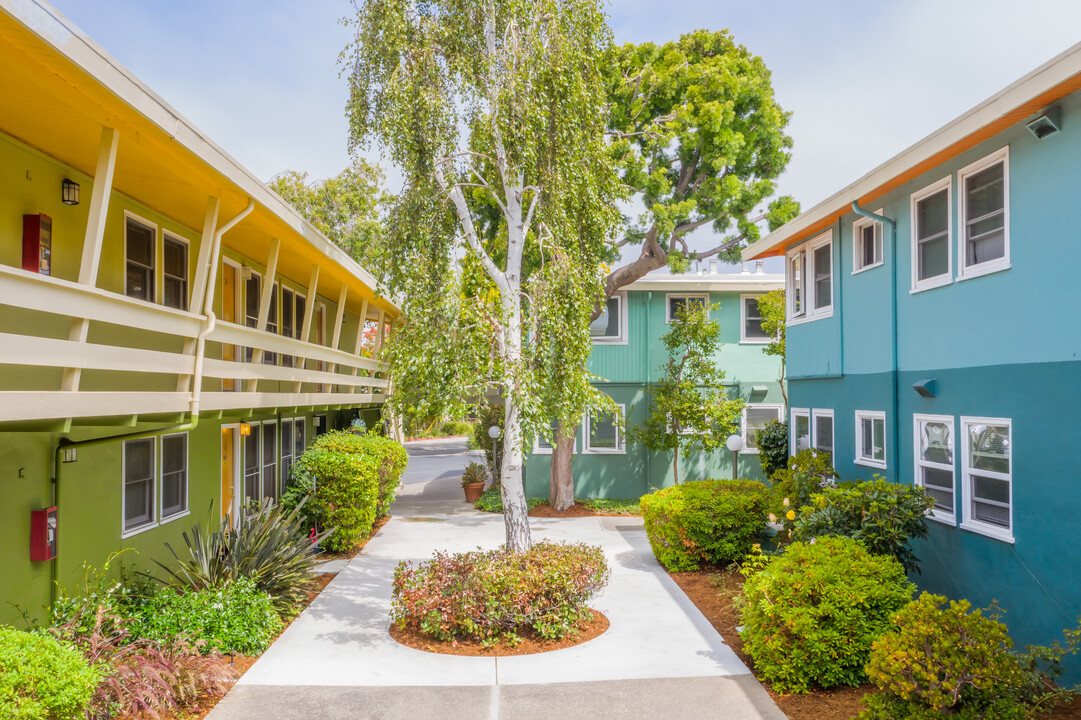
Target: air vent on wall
point(1048, 123)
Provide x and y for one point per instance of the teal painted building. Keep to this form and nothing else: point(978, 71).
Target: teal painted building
point(933, 343)
point(628, 355)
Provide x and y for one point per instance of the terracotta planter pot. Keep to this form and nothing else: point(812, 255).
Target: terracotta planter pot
point(473, 491)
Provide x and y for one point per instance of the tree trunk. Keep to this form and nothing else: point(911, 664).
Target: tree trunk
point(675, 466)
point(561, 485)
point(512, 488)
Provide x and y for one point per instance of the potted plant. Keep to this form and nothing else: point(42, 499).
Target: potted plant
point(473, 480)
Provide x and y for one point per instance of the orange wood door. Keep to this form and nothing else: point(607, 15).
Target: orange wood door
point(228, 469)
point(228, 314)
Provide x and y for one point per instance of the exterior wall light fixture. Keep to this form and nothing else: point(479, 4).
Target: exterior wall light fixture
point(69, 192)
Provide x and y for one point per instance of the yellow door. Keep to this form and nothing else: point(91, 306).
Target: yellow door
point(228, 471)
point(228, 314)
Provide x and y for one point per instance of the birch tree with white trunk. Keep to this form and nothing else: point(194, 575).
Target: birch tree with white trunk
point(494, 112)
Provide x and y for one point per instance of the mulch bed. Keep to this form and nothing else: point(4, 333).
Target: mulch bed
point(577, 510)
point(530, 645)
point(714, 591)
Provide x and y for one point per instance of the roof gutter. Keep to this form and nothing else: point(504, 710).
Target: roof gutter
point(895, 438)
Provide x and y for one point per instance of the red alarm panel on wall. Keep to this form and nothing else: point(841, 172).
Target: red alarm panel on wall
point(43, 534)
point(38, 244)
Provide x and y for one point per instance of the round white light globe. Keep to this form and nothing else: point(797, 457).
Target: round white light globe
point(494, 432)
point(734, 443)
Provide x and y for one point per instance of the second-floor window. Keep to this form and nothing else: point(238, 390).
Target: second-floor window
point(139, 252)
point(984, 210)
point(610, 325)
point(175, 273)
point(810, 279)
point(751, 325)
point(866, 244)
point(677, 303)
point(932, 265)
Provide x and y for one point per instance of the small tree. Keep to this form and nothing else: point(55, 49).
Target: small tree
point(771, 309)
point(690, 410)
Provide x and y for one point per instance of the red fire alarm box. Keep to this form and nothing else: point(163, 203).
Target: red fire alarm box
point(38, 244)
point(43, 534)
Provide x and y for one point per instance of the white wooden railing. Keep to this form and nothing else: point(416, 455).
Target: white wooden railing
point(320, 375)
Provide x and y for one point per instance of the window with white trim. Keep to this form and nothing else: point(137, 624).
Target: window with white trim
point(985, 215)
point(174, 475)
point(270, 460)
point(252, 466)
point(934, 445)
point(287, 445)
point(138, 473)
point(932, 220)
point(751, 321)
point(801, 430)
point(139, 254)
point(810, 279)
point(866, 244)
point(871, 438)
point(603, 435)
point(174, 269)
point(299, 436)
point(543, 446)
point(610, 327)
point(675, 303)
point(986, 477)
point(755, 417)
point(822, 430)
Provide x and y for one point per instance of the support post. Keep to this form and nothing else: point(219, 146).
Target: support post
point(199, 285)
point(264, 304)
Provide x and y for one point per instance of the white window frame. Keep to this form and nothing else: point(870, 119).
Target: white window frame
point(621, 446)
point(125, 531)
point(946, 278)
point(743, 339)
point(968, 522)
point(1002, 155)
point(860, 459)
point(256, 431)
point(686, 296)
point(857, 254)
point(815, 414)
point(539, 449)
point(798, 412)
point(156, 270)
point(161, 477)
point(622, 337)
point(743, 422)
point(806, 251)
point(174, 237)
point(937, 513)
point(276, 434)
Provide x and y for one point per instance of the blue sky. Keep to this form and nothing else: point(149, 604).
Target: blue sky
point(864, 80)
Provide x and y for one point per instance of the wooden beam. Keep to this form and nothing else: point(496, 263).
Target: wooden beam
point(337, 336)
point(197, 299)
point(309, 312)
point(264, 301)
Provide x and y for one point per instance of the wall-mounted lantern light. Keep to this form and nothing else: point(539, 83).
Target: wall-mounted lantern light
point(245, 429)
point(70, 192)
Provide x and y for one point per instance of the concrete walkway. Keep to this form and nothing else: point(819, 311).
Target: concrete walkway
point(659, 658)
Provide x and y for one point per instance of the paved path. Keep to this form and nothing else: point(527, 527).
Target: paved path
point(659, 658)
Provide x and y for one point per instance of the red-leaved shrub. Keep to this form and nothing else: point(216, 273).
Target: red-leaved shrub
point(493, 595)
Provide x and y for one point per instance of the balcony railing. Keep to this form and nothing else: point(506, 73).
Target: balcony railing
point(140, 359)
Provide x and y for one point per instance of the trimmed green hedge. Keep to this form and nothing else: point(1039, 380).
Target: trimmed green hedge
point(711, 521)
point(811, 614)
point(41, 679)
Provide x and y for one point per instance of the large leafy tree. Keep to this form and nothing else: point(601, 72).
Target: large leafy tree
point(491, 110)
point(699, 139)
point(689, 409)
point(345, 207)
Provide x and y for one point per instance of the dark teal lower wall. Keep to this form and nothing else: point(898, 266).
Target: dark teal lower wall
point(1037, 578)
point(639, 470)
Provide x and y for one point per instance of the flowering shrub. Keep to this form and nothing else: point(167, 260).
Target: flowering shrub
point(496, 594)
point(811, 614)
point(884, 515)
point(955, 661)
point(234, 618)
point(808, 472)
point(41, 679)
point(712, 521)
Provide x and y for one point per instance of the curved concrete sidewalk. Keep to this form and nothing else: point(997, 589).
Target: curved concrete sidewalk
point(660, 657)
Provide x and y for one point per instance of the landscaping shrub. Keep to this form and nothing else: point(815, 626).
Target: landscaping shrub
point(268, 545)
point(772, 441)
point(390, 456)
point(42, 679)
point(710, 521)
point(615, 506)
point(237, 617)
point(808, 472)
point(496, 594)
point(811, 614)
point(885, 516)
point(951, 660)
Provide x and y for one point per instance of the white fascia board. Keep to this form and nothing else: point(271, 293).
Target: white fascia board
point(1044, 78)
point(69, 41)
point(735, 282)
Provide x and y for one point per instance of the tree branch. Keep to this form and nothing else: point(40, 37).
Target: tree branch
point(461, 209)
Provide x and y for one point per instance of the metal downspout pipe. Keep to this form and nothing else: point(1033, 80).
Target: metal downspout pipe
point(894, 371)
point(197, 381)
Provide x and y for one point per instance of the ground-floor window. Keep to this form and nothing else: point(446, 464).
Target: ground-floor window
point(987, 476)
point(252, 474)
point(174, 475)
point(155, 477)
point(871, 438)
point(292, 446)
point(934, 443)
point(801, 430)
point(270, 460)
point(822, 430)
point(138, 483)
point(755, 417)
point(603, 433)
